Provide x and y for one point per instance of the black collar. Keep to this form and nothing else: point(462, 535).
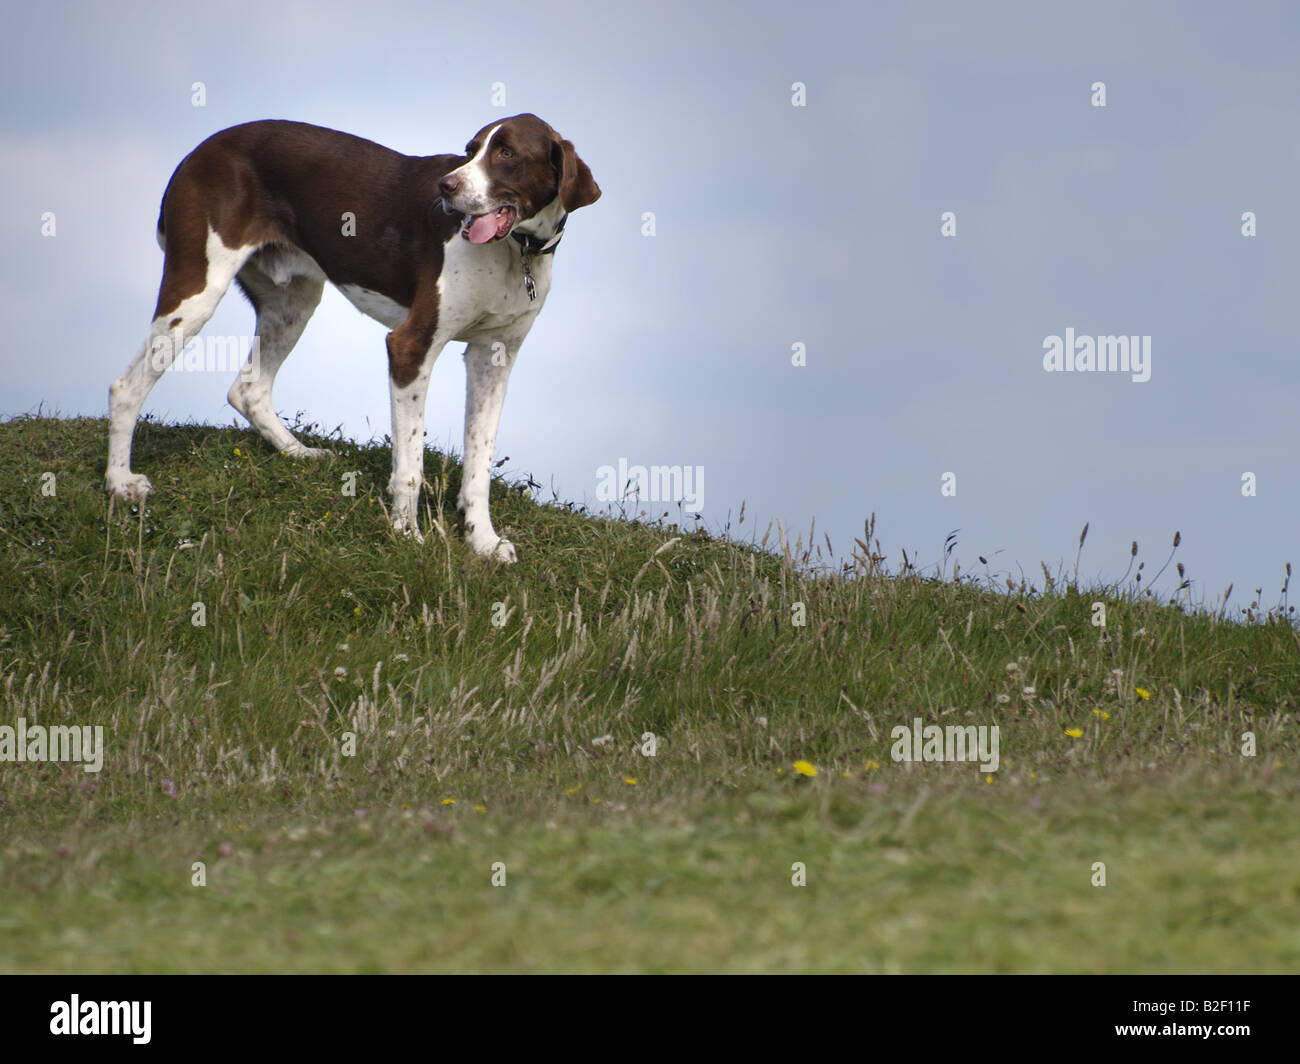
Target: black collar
point(535, 245)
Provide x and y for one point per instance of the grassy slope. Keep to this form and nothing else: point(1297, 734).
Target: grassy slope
point(475, 745)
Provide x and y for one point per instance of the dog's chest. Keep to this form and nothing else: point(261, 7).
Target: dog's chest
point(483, 289)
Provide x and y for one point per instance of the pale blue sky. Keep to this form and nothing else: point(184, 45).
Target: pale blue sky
point(776, 225)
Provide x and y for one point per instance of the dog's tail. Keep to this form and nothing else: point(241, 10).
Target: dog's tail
point(162, 204)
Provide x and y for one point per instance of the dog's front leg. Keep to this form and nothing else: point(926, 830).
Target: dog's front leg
point(412, 350)
point(487, 368)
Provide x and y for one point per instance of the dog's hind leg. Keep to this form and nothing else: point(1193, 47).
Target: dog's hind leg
point(196, 274)
point(283, 309)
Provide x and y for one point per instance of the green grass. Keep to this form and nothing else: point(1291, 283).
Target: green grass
point(518, 742)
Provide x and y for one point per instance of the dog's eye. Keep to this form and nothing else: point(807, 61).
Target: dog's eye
point(506, 153)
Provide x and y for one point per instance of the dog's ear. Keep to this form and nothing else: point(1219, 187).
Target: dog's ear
point(577, 187)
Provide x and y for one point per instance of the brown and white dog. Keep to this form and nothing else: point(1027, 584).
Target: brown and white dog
point(438, 248)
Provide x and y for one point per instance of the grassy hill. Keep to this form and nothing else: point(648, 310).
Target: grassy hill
point(629, 727)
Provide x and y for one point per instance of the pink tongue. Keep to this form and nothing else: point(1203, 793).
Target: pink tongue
point(483, 228)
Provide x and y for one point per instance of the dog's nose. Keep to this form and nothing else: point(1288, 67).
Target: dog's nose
point(449, 185)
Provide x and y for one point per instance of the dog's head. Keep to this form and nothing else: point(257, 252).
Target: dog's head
point(516, 168)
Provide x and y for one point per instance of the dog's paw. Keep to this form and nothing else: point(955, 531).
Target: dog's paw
point(311, 452)
point(132, 487)
point(407, 527)
point(494, 548)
